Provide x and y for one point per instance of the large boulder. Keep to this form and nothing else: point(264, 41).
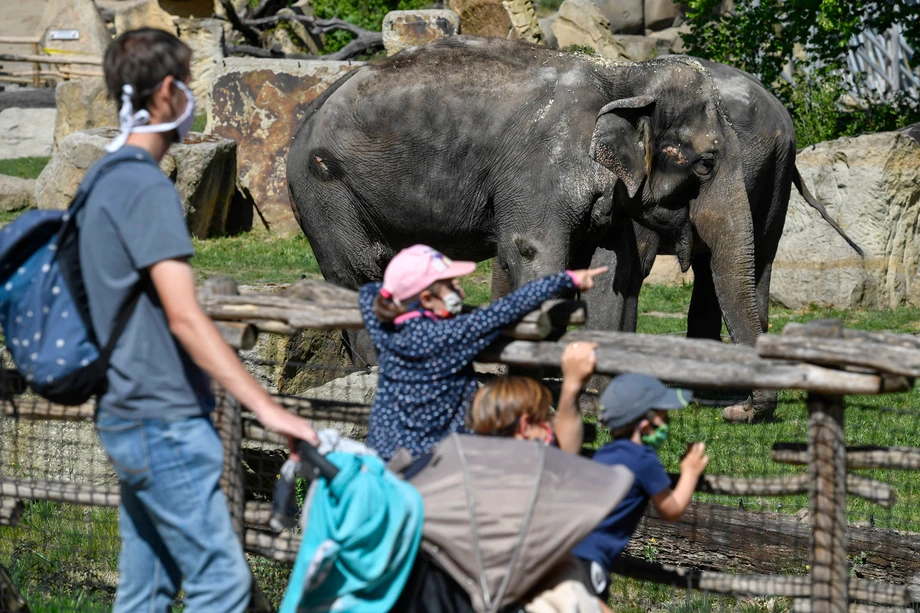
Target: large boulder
point(660, 14)
point(871, 185)
point(640, 48)
point(143, 14)
point(546, 26)
point(524, 22)
point(26, 132)
point(666, 271)
point(81, 15)
point(579, 22)
point(82, 104)
point(259, 103)
point(670, 40)
point(16, 194)
point(205, 37)
point(624, 16)
point(405, 29)
point(483, 17)
point(203, 167)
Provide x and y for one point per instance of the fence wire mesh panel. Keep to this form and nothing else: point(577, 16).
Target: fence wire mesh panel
point(745, 544)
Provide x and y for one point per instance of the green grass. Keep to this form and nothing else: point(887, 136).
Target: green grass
point(25, 168)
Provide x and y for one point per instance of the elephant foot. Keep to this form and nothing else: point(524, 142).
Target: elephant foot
point(753, 410)
point(742, 413)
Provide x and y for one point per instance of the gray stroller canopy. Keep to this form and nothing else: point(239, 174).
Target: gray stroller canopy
point(501, 513)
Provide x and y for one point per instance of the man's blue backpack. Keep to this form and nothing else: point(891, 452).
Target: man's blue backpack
point(44, 311)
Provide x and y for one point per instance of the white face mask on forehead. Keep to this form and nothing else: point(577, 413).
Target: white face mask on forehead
point(137, 122)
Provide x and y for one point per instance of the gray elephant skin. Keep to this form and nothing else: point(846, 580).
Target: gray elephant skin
point(491, 148)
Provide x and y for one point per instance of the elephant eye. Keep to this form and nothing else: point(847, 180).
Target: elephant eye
point(705, 164)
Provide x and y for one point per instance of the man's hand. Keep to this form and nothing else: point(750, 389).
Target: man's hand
point(584, 279)
point(695, 461)
point(175, 285)
point(578, 362)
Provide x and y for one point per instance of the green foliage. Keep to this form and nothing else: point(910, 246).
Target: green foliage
point(761, 35)
point(580, 50)
point(367, 14)
point(24, 168)
point(201, 121)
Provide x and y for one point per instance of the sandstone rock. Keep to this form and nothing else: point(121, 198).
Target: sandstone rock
point(638, 48)
point(143, 14)
point(871, 186)
point(205, 37)
point(16, 194)
point(579, 22)
point(625, 16)
point(82, 104)
point(524, 22)
point(660, 14)
point(202, 167)
point(405, 29)
point(300, 30)
point(546, 26)
point(259, 103)
point(82, 15)
point(666, 271)
point(912, 131)
point(26, 132)
point(54, 450)
point(483, 17)
point(670, 39)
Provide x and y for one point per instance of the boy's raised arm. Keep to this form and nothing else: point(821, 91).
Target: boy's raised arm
point(578, 362)
point(671, 504)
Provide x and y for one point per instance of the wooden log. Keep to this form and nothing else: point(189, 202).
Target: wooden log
point(257, 513)
point(764, 374)
point(47, 59)
point(220, 285)
point(564, 313)
point(321, 291)
point(879, 593)
point(39, 408)
point(827, 499)
point(857, 485)
point(535, 326)
point(723, 538)
point(326, 410)
point(253, 431)
point(281, 547)
point(238, 334)
point(894, 458)
point(714, 582)
point(20, 40)
point(803, 605)
point(668, 346)
point(907, 341)
point(60, 491)
point(11, 510)
point(841, 352)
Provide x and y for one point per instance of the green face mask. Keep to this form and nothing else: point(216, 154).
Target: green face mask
point(657, 438)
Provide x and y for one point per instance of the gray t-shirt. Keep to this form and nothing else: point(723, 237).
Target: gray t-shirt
point(133, 219)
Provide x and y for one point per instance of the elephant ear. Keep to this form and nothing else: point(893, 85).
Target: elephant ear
point(622, 140)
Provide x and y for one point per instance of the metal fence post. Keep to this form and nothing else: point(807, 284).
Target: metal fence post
point(827, 499)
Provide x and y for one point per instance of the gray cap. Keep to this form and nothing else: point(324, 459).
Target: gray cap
point(630, 396)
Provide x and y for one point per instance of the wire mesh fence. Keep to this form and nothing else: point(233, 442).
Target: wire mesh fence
point(59, 521)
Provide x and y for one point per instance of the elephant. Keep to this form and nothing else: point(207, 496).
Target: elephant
point(670, 221)
point(542, 159)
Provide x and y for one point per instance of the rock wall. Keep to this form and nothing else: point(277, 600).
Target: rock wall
point(871, 186)
point(203, 167)
point(82, 104)
point(406, 29)
point(26, 132)
point(259, 103)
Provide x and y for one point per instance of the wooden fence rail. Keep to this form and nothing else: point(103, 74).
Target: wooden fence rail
point(821, 358)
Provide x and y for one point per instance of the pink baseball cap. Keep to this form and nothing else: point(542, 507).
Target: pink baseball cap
point(415, 268)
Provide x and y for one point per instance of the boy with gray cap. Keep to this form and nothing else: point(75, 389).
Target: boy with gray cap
point(634, 408)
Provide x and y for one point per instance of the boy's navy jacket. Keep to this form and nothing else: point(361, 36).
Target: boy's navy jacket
point(43, 308)
point(426, 373)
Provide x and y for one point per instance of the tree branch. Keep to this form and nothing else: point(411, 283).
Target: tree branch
point(251, 36)
point(371, 41)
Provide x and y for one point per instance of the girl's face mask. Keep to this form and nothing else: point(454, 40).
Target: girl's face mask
point(453, 303)
point(657, 438)
point(137, 122)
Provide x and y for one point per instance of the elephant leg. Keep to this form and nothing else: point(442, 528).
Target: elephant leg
point(704, 320)
point(764, 401)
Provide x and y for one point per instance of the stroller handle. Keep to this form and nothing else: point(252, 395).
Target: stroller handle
point(313, 461)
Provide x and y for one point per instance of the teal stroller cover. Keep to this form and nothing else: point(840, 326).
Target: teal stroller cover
point(360, 540)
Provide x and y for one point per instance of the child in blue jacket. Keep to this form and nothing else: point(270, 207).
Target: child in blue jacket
point(425, 347)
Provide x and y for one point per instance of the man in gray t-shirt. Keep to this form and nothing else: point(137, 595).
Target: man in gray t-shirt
point(153, 419)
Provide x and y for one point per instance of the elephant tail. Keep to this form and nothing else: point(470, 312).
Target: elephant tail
point(813, 202)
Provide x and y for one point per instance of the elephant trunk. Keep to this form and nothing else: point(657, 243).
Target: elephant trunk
point(722, 218)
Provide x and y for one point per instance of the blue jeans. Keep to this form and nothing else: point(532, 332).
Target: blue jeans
point(173, 519)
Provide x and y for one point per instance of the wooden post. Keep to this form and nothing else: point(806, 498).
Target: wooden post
point(827, 499)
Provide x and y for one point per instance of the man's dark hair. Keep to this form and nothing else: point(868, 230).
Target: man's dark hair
point(142, 58)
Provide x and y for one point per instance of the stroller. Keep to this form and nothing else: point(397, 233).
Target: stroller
point(480, 528)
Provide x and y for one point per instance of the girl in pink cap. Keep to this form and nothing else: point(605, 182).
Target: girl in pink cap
point(425, 346)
